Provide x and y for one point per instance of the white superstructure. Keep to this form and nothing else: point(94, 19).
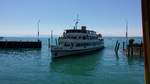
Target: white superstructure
point(76, 41)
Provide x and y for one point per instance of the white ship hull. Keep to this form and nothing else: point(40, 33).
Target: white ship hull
point(59, 52)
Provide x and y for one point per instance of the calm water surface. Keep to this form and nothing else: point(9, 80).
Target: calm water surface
point(33, 66)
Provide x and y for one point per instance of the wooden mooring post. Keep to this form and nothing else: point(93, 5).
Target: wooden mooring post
point(49, 44)
point(56, 41)
point(123, 45)
point(117, 47)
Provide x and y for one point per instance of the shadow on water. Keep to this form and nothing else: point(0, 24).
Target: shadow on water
point(76, 65)
point(20, 54)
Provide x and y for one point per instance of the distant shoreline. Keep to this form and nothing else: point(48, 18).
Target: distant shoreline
point(58, 36)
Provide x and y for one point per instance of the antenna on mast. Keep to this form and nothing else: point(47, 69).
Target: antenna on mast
point(38, 25)
point(77, 21)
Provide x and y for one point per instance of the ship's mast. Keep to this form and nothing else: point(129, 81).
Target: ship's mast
point(77, 21)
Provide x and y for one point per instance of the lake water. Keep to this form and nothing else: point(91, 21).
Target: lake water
point(33, 66)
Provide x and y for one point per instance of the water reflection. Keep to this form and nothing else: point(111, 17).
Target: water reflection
point(134, 60)
point(76, 65)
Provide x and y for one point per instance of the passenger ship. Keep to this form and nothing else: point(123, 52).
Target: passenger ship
point(77, 41)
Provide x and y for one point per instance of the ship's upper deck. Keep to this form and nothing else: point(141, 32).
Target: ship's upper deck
point(82, 30)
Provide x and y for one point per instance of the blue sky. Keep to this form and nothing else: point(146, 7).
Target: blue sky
point(20, 17)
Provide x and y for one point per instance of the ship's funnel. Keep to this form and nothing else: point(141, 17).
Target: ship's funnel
point(83, 28)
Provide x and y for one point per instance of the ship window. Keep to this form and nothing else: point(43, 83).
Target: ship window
point(84, 37)
point(78, 44)
point(66, 44)
point(74, 37)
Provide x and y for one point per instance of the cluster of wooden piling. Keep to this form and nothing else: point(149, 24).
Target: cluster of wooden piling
point(134, 48)
point(131, 49)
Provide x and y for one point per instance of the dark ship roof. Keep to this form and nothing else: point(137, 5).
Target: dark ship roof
point(82, 30)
